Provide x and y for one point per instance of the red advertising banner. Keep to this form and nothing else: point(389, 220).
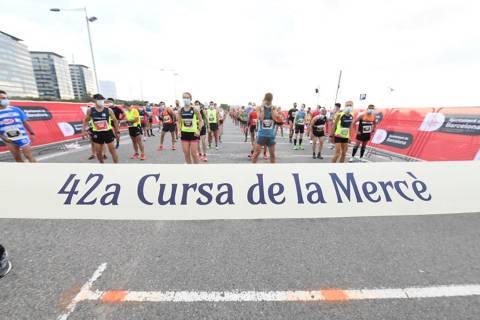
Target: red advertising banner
point(432, 134)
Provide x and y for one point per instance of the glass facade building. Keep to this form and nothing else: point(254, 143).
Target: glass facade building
point(82, 81)
point(52, 75)
point(16, 70)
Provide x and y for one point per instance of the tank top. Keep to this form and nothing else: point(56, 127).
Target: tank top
point(266, 127)
point(100, 120)
point(319, 124)
point(365, 124)
point(343, 125)
point(189, 120)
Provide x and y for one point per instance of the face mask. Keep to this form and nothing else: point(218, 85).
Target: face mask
point(348, 109)
point(4, 102)
point(369, 111)
point(186, 102)
point(100, 103)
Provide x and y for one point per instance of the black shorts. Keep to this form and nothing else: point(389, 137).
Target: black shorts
point(318, 134)
point(243, 123)
point(341, 140)
point(220, 121)
point(168, 127)
point(279, 124)
point(213, 127)
point(189, 136)
point(253, 129)
point(103, 137)
point(299, 128)
point(134, 131)
point(203, 131)
point(364, 137)
point(290, 120)
point(150, 119)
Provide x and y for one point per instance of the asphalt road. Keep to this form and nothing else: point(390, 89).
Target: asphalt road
point(53, 259)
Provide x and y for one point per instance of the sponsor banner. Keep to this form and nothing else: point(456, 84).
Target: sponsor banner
point(179, 192)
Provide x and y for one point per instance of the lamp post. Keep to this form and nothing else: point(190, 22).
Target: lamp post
point(174, 74)
point(88, 20)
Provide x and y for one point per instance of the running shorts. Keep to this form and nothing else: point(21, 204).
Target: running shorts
point(299, 128)
point(168, 127)
point(134, 131)
point(213, 127)
point(189, 136)
point(253, 129)
point(103, 137)
point(266, 141)
point(364, 137)
point(341, 140)
point(203, 131)
point(318, 134)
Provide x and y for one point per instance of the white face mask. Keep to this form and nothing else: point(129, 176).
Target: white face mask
point(187, 102)
point(348, 109)
point(100, 103)
point(4, 103)
point(369, 111)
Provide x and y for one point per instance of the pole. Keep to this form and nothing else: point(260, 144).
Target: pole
point(91, 48)
point(338, 86)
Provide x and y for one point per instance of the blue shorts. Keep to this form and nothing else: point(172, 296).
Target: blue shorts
point(22, 142)
point(266, 141)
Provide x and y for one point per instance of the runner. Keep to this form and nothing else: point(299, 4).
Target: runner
point(176, 109)
point(202, 147)
point(342, 130)
point(103, 131)
point(213, 117)
point(330, 123)
point(308, 119)
point(149, 122)
point(317, 125)
point(366, 126)
point(134, 129)
point(243, 117)
point(189, 128)
point(267, 116)
point(221, 119)
point(280, 121)
point(299, 122)
point(143, 119)
point(13, 130)
point(252, 126)
point(291, 117)
point(5, 264)
point(168, 118)
point(118, 112)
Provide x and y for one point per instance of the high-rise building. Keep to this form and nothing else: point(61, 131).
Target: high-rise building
point(82, 81)
point(16, 70)
point(52, 75)
point(108, 89)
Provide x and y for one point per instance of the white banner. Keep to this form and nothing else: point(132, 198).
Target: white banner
point(241, 191)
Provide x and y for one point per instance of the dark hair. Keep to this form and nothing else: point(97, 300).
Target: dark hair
point(98, 96)
point(3, 92)
point(268, 97)
point(338, 104)
point(111, 99)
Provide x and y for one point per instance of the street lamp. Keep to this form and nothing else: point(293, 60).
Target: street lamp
point(88, 20)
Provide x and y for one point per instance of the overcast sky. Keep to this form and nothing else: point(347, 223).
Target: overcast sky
point(235, 51)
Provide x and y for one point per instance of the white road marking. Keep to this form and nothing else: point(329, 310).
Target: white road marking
point(325, 295)
point(84, 292)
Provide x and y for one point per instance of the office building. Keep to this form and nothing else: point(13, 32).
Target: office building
point(52, 75)
point(16, 70)
point(83, 82)
point(108, 89)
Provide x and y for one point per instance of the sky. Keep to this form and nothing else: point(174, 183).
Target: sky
point(427, 51)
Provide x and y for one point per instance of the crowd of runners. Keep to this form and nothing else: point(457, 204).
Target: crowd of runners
point(199, 127)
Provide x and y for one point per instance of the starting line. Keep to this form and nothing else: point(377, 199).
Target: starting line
point(323, 295)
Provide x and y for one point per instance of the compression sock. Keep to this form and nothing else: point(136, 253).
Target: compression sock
point(354, 152)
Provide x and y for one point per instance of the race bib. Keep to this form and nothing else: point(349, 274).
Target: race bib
point(300, 121)
point(166, 118)
point(367, 129)
point(211, 118)
point(320, 127)
point(188, 123)
point(344, 131)
point(267, 124)
point(101, 125)
point(13, 133)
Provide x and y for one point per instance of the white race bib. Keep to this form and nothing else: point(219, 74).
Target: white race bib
point(13, 133)
point(101, 125)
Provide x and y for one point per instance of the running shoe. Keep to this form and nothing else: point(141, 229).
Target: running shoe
point(265, 157)
point(91, 157)
point(351, 159)
point(205, 159)
point(295, 147)
point(134, 156)
point(105, 157)
point(142, 157)
point(319, 156)
point(314, 156)
point(301, 147)
point(174, 148)
point(160, 148)
point(216, 148)
point(5, 264)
